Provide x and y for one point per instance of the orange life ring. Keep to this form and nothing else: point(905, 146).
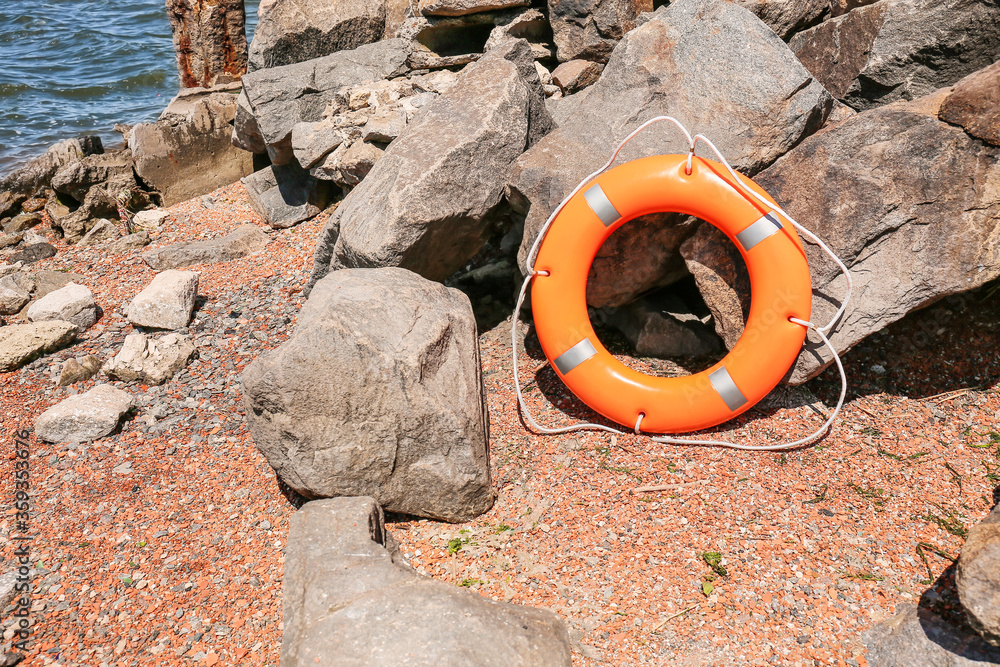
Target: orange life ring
point(779, 282)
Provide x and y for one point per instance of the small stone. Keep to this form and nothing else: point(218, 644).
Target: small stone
point(72, 303)
point(103, 230)
point(8, 240)
point(150, 361)
point(21, 343)
point(22, 222)
point(241, 242)
point(208, 202)
point(33, 253)
point(84, 417)
point(127, 242)
point(167, 302)
point(79, 369)
point(576, 74)
point(12, 296)
point(33, 205)
point(150, 219)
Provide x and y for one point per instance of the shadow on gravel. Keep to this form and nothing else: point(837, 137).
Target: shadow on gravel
point(949, 346)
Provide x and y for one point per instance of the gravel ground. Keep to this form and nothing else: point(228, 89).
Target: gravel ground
point(162, 544)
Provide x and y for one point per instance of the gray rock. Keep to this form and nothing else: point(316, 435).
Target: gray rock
point(127, 242)
point(385, 126)
point(897, 226)
point(278, 98)
point(8, 240)
point(348, 165)
point(312, 141)
point(885, 52)
point(72, 303)
point(576, 74)
point(917, 637)
point(787, 17)
point(20, 223)
point(38, 172)
point(285, 195)
point(76, 178)
point(978, 578)
point(35, 252)
point(13, 296)
point(665, 327)
point(463, 7)
point(342, 582)
point(590, 29)
point(151, 219)
point(31, 237)
point(79, 369)
point(974, 105)
point(148, 360)
point(428, 204)
point(21, 343)
point(760, 103)
point(377, 392)
point(46, 282)
point(103, 230)
point(243, 241)
point(10, 202)
point(292, 31)
point(167, 302)
point(187, 156)
point(721, 276)
point(84, 417)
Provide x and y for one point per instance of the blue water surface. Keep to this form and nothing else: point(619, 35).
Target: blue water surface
point(71, 67)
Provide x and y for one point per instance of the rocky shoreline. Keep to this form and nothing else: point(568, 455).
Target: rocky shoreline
point(312, 255)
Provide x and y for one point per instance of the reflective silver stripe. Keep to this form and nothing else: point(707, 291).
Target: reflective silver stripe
point(601, 205)
point(723, 383)
point(575, 356)
point(758, 231)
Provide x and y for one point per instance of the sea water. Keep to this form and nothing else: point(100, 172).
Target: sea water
point(72, 67)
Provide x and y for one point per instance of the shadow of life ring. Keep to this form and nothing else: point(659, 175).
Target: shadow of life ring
point(779, 282)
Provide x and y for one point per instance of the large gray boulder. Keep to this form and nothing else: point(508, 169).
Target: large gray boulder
point(920, 637)
point(243, 241)
point(84, 417)
point(350, 601)
point(291, 31)
point(184, 156)
point(275, 99)
point(21, 343)
point(911, 204)
point(900, 49)
point(72, 303)
point(165, 303)
point(378, 392)
point(711, 64)
point(38, 173)
point(428, 204)
point(978, 577)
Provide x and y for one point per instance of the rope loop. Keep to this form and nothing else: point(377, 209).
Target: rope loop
point(821, 331)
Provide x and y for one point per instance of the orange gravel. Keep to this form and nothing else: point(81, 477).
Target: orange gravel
point(178, 560)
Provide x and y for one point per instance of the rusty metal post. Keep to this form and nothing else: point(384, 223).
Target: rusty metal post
point(209, 40)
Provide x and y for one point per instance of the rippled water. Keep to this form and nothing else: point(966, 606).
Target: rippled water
point(69, 67)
